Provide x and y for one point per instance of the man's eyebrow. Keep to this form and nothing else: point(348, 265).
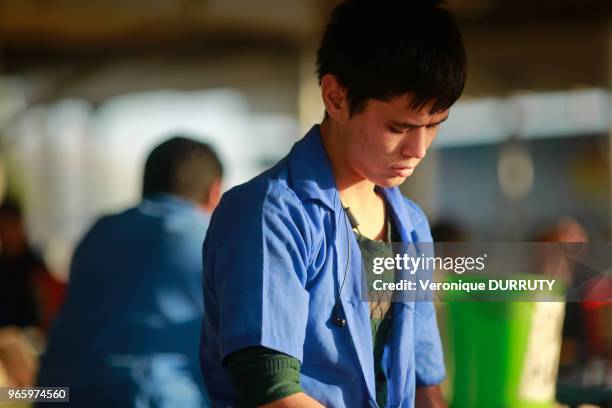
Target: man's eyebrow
point(403, 124)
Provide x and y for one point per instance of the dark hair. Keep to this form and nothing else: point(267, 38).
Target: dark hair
point(380, 49)
point(183, 167)
point(10, 208)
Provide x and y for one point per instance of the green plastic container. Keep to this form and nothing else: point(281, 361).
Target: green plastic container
point(503, 354)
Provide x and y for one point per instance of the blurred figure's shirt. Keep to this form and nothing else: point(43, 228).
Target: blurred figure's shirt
point(18, 306)
point(129, 332)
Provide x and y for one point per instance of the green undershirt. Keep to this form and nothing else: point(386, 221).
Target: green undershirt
point(262, 375)
point(381, 311)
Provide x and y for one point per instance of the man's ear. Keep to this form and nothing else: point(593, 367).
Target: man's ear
point(334, 98)
point(214, 196)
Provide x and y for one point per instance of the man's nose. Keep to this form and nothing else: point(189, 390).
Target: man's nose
point(416, 143)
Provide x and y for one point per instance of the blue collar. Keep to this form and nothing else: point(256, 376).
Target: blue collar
point(312, 178)
point(311, 172)
point(171, 202)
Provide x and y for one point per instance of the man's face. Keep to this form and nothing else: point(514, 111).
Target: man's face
point(386, 140)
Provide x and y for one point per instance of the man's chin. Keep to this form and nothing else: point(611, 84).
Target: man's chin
point(391, 182)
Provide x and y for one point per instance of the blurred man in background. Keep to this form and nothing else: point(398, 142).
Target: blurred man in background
point(128, 333)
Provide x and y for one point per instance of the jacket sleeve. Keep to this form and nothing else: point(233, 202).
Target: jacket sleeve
point(255, 261)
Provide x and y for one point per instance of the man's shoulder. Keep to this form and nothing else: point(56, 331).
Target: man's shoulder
point(270, 187)
point(143, 219)
point(112, 220)
point(108, 226)
point(265, 204)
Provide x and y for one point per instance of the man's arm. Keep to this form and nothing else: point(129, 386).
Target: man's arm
point(267, 378)
point(429, 397)
point(299, 400)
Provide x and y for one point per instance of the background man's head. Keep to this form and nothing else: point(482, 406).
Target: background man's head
point(389, 72)
point(186, 168)
point(13, 240)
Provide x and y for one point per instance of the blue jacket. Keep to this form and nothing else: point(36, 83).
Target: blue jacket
point(128, 334)
point(274, 257)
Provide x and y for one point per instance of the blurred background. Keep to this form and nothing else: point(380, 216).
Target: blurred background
point(88, 87)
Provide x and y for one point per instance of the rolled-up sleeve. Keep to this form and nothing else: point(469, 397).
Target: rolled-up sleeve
point(255, 265)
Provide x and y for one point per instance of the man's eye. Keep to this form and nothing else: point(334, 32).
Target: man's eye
point(396, 130)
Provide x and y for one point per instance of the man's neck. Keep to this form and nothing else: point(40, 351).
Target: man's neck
point(352, 187)
point(356, 192)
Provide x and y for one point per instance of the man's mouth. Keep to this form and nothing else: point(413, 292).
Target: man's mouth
point(402, 171)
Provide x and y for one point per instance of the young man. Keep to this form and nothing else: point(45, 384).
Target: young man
point(126, 336)
point(285, 323)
